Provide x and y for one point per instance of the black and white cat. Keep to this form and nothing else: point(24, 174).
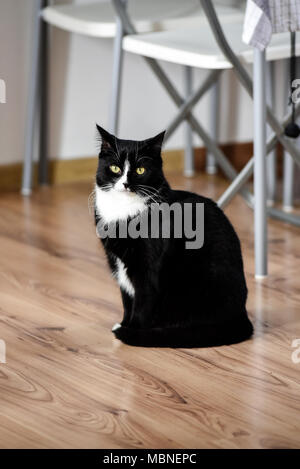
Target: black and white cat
point(172, 296)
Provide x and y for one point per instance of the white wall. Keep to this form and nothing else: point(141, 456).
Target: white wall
point(15, 17)
point(80, 90)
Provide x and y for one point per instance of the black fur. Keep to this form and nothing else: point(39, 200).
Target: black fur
point(183, 298)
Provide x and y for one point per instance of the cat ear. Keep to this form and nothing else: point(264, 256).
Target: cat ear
point(107, 140)
point(155, 143)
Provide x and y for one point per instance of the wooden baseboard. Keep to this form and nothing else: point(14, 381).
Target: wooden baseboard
point(60, 171)
point(237, 153)
point(83, 169)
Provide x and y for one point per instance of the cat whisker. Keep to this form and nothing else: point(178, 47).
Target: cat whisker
point(149, 187)
point(154, 192)
point(145, 193)
point(152, 198)
point(149, 196)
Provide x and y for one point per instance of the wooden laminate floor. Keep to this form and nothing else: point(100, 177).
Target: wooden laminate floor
point(67, 383)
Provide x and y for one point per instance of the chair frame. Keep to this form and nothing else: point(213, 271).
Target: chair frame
point(288, 163)
point(262, 147)
point(118, 55)
point(114, 116)
point(37, 99)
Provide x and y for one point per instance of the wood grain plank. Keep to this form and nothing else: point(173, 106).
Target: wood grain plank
point(68, 383)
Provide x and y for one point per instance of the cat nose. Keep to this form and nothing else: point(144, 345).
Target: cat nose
point(126, 185)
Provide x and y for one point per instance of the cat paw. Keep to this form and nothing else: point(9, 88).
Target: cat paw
point(116, 327)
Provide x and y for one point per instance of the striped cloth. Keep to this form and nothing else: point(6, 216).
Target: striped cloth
point(265, 17)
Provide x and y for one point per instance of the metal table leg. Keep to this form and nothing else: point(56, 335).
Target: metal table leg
point(260, 205)
point(244, 77)
point(32, 101)
point(271, 161)
point(289, 164)
point(288, 182)
point(211, 164)
point(247, 171)
point(43, 99)
point(189, 150)
point(117, 75)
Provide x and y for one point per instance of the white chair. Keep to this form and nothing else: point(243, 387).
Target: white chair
point(197, 48)
point(215, 48)
point(95, 19)
point(98, 19)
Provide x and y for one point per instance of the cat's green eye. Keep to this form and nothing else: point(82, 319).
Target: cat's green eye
point(115, 169)
point(140, 171)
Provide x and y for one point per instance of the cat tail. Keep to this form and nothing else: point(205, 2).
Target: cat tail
point(186, 337)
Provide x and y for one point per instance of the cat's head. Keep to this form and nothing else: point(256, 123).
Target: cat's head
point(130, 167)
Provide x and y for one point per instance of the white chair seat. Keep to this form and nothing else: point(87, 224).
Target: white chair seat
point(98, 18)
point(196, 47)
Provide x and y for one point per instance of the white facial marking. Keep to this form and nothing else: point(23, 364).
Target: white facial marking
point(122, 277)
point(119, 186)
point(119, 203)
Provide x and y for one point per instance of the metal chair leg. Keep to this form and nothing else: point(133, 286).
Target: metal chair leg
point(288, 182)
point(32, 101)
point(211, 145)
point(271, 161)
point(288, 164)
point(246, 172)
point(260, 206)
point(185, 107)
point(189, 150)
point(43, 101)
point(117, 75)
point(188, 105)
point(243, 75)
point(211, 165)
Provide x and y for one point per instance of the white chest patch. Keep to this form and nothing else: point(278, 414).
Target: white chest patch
point(114, 205)
point(122, 277)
